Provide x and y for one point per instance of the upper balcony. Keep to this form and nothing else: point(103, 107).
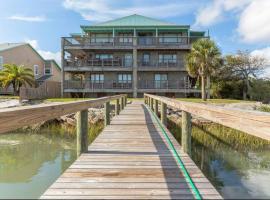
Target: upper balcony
point(139, 42)
point(115, 64)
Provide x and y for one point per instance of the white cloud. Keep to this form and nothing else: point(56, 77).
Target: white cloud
point(254, 23)
point(264, 53)
point(28, 18)
point(102, 10)
point(45, 54)
point(216, 10)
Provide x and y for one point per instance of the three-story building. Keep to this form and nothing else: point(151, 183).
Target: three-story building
point(133, 55)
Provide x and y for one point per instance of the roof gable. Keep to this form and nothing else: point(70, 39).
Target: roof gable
point(134, 20)
point(7, 46)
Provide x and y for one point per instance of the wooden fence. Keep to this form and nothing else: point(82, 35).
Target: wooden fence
point(251, 122)
point(48, 89)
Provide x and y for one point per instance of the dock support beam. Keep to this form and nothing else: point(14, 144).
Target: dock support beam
point(117, 107)
point(122, 103)
point(156, 107)
point(82, 131)
point(151, 104)
point(186, 132)
point(164, 113)
point(107, 113)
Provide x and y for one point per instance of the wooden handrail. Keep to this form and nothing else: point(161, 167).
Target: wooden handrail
point(13, 118)
point(252, 122)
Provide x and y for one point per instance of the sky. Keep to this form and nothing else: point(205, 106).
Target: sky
point(233, 24)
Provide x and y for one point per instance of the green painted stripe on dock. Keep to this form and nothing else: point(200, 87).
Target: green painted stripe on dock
point(178, 158)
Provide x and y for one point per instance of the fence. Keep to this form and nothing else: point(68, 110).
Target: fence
point(48, 89)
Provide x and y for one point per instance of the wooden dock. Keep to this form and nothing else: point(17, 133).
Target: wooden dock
point(133, 159)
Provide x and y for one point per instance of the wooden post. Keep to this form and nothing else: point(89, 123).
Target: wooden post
point(82, 131)
point(107, 113)
point(117, 107)
point(186, 132)
point(156, 107)
point(125, 100)
point(164, 113)
point(122, 103)
point(151, 103)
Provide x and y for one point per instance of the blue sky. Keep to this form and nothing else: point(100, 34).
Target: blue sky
point(233, 24)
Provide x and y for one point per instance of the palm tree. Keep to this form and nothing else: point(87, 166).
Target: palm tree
point(203, 60)
point(17, 76)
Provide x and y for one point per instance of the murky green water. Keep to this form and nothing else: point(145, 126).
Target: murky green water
point(29, 163)
point(237, 164)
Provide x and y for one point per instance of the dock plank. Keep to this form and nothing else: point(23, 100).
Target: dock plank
point(131, 159)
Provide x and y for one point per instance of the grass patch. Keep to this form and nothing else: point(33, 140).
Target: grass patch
point(264, 108)
point(66, 99)
point(221, 101)
point(9, 97)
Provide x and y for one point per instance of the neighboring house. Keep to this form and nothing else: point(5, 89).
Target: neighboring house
point(133, 55)
point(25, 54)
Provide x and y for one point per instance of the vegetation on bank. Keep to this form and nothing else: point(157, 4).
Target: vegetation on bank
point(16, 76)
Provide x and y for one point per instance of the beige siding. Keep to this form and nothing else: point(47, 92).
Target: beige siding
point(24, 55)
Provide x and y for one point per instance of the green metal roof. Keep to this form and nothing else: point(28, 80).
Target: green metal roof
point(6, 46)
point(133, 21)
point(197, 33)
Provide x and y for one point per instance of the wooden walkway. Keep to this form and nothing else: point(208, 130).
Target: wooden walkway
point(131, 159)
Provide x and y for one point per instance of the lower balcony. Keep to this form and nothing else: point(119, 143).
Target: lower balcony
point(90, 86)
point(181, 86)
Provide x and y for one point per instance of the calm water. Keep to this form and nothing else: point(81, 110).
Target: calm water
point(29, 163)
point(237, 164)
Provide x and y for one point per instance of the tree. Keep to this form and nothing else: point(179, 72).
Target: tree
point(17, 76)
point(203, 60)
point(245, 67)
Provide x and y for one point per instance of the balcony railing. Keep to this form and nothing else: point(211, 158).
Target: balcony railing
point(161, 64)
point(97, 85)
point(149, 84)
point(100, 63)
point(130, 41)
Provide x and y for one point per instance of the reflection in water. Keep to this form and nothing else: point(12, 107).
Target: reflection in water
point(29, 163)
point(237, 164)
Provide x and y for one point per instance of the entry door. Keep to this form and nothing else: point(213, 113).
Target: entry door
point(161, 81)
point(128, 60)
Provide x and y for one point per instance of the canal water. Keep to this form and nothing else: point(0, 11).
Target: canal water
point(237, 164)
point(29, 163)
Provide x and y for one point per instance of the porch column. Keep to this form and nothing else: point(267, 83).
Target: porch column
point(135, 65)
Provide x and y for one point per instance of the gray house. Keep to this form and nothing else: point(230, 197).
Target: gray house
point(133, 55)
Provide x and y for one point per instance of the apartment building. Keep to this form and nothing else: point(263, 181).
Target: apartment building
point(133, 55)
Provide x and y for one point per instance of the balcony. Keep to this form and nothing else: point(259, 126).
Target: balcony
point(119, 64)
point(180, 42)
point(169, 65)
point(90, 86)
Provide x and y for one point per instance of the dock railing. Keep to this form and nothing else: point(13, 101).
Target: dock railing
point(252, 122)
point(14, 118)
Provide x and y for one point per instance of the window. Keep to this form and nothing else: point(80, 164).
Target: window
point(161, 80)
point(128, 60)
point(170, 38)
point(167, 58)
point(1, 62)
point(124, 78)
point(97, 78)
point(36, 70)
point(48, 71)
point(146, 59)
point(125, 37)
point(101, 38)
point(104, 56)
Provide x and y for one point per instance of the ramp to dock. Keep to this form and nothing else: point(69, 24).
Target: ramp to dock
point(132, 159)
